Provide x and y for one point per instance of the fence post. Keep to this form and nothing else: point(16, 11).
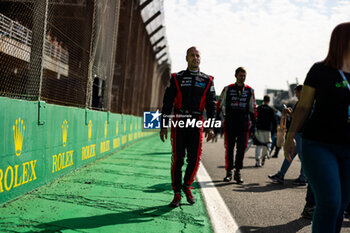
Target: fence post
point(90, 80)
point(109, 81)
point(37, 48)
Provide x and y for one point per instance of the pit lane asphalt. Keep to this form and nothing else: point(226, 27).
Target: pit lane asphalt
point(258, 205)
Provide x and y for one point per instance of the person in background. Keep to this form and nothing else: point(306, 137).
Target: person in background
point(55, 47)
point(274, 137)
point(326, 135)
point(309, 204)
point(49, 36)
point(237, 103)
point(279, 176)
point(218, 130)
point(266, 121)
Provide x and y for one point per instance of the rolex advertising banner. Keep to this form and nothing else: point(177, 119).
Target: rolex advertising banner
point(41, 142)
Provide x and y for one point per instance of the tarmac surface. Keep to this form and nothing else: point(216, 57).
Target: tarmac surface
point(129, 191)
point(259, 205)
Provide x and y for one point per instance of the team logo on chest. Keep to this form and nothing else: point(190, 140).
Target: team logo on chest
point(200, 84)
point(186, 82)
point(199, 79)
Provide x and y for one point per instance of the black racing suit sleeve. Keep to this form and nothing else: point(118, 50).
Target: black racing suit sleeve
point(252, 110)
point(218, 104)
point(210, 101)
point(168, 100)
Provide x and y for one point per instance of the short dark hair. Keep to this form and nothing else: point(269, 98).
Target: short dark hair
point(240, 69)
point(193, 47)
point(266, 98)
point(338, 46)
point(298, 88)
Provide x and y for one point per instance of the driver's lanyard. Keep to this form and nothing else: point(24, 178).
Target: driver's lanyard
point(346, 81)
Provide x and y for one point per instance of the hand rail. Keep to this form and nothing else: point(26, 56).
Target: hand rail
point(16, 31)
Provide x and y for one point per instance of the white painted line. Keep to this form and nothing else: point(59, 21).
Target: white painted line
point(220, 216)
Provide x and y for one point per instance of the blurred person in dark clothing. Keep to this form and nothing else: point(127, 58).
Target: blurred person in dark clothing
point(266, 121)
point(274, 138)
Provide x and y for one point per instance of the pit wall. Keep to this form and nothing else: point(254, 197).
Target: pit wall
point(41, 142)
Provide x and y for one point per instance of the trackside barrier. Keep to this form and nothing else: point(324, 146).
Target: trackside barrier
point(41, 142)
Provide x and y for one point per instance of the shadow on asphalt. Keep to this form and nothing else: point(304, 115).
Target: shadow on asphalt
point(251, 167)
point(134, 216)
point(251, 187)
point(245, 167)
point(346, 224)
point(258, 188)
point(290, 227)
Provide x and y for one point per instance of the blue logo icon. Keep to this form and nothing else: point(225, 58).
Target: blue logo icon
point(151, 120)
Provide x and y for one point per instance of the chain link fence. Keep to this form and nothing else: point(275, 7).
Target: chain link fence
point(45, 47)
point(16, 23)
point(85, 53)
point(68, 35)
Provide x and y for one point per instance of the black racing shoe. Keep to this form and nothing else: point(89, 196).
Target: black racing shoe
point(277, 178)
point(237, 177)
point(275, 155)
point(299, 182)
point(188, 193)
point(228, 177)
point(308, 211)
point(176, 201)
